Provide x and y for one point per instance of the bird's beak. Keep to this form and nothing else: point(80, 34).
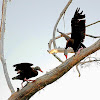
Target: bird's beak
point(66, 56)
point(65, 53)
point(41, 70)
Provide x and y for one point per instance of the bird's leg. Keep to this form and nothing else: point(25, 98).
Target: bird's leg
point(28, 80)
point(18, 89)
point(26, 83)
point(78, 52)
point(22, 84)
point(31, 80)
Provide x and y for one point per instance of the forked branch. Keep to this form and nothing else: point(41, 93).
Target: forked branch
point(84, 62)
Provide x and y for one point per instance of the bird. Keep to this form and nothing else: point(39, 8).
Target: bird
point(25, 71)
point(77, 32)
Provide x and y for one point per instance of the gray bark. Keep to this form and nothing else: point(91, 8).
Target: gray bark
point(2, 31)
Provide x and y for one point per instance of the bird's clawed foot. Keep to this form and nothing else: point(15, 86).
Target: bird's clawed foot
point(33, 80)
point(29, 80)
point(78, 52)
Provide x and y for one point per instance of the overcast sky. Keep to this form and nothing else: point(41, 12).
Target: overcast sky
point(29, 27)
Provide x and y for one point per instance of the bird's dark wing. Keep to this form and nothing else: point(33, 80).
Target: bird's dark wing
point(21, 76)
point(23, 66)
point(29, 73)
point(78, 26)
point(27, 64)
point(34, 73)
point(78, 15)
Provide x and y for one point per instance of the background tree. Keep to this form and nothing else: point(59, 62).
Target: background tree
point(2, 31)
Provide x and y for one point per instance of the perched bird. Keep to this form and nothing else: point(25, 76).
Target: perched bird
point(25, 71)
point(78, 32)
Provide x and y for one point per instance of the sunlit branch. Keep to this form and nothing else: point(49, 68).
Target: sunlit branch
point(60, 50)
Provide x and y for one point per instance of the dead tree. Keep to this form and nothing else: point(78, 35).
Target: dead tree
point(56, 73)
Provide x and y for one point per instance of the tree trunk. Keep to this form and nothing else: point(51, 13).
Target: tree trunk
point(54, 74)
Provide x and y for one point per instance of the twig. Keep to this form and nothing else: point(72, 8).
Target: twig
point(67, 37)
point(57, 57)
point(64, 35)
point(88, 61)
point(92, 23)
point(84, 62)
point(78, 69)
point(92, 36)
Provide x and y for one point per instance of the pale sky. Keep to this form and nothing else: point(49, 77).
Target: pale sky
point(29, 27)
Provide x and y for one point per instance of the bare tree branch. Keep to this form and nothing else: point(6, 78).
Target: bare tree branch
point(57, 57)
point(84, 62)
point(61, 14)
point(92, 23)
point(54, 31)
point(2, 31)
point(92, 36)
point(78, 69)
point(54, 74)
point(65, 35)
point(88, 61)
point(61, 50)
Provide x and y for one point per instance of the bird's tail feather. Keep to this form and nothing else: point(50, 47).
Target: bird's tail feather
point(14, 78)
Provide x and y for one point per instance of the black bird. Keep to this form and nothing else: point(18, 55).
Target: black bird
point(78, 32)
point(25, 71)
